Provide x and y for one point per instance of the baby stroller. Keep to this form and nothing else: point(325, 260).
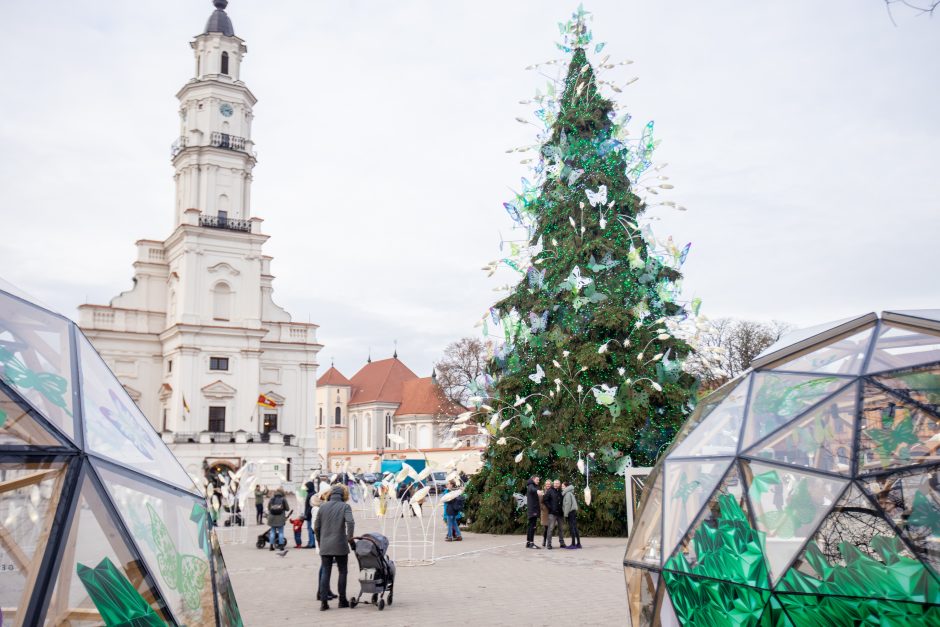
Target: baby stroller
point(263, 538)
point(376, 571)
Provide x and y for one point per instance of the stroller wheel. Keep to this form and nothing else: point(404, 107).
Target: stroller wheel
point(381, 604)
point(353, 602)
point(260, 544)
point(391, 595)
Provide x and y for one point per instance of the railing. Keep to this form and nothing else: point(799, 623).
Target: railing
point(177, 146)
point(231, 142)
point(228, 437)
point(216, 222)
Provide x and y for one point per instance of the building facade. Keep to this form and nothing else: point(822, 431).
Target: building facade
point(199, 339)
point(386, 397)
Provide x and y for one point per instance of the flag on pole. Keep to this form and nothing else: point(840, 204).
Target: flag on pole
point(185, 404)
point(266, 401)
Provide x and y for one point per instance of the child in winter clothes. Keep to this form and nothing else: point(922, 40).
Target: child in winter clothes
point(298, 525)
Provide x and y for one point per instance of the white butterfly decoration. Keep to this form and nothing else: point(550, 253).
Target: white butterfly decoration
point(576, 281)
point(604, 394)
point(395, 438)
point(539, 374)
point(597, 198)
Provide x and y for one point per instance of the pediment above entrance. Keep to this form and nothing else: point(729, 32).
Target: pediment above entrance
point(218, 389)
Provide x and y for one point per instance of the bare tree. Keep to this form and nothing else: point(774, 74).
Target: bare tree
point(461, 366)
point(732, 345)
point(920, 7)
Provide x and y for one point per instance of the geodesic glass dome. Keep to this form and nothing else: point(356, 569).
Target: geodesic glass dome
point(805, 492)
point(99, 523)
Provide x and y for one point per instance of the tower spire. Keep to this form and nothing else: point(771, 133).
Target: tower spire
point(219, 21)
point(395, 354)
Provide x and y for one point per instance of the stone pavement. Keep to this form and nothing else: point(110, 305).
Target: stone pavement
point(483, 580)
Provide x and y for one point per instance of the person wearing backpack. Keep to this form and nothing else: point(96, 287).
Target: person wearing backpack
point(277, 516)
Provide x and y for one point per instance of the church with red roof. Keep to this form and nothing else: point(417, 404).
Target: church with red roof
point(355, 415)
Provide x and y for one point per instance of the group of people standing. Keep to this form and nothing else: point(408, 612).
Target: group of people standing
point(329, 519)
point(552, 505)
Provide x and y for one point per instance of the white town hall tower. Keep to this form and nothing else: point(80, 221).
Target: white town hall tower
point(198, 340)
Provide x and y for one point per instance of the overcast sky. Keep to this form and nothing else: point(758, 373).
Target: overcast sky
point(802, 135)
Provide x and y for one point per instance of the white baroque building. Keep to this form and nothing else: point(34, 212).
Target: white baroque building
point(198, 338)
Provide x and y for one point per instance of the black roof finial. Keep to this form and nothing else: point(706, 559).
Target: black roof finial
point(219, 21)
point(369, 360)
point(395, 354)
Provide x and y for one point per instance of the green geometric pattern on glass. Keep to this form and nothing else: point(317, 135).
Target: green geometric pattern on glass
point(912, 501)
point(713, 602)
point(119, 604)
point(822, 438)
point(688, 486)
point(838, 611)
point(728, 548)
point(774, 615)
point(893, 577)
point(894, 433)
point(777, 398)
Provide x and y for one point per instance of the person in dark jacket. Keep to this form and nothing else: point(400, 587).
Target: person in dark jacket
point(553, 501)
point(452, 511)
point(277, 516)
point(335, 529)
point(532, 508)
point(308, 514)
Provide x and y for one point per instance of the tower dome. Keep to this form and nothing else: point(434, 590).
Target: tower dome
point(219, 21)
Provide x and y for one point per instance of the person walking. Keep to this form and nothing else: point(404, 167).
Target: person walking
point(260, 493)
point(532, 509)
point(335, 528)
point(310, 512)
point(277, 516)
point(569, 507)
point(452, 511)
point(552, 501)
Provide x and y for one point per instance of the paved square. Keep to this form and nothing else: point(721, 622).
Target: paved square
point(483, 580)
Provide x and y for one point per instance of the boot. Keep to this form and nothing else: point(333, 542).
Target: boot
point(549, 547)
point(324, 606)
point(343, 603)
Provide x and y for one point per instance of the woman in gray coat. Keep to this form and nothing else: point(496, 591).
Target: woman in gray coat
point(334, 529)
point(569, 507)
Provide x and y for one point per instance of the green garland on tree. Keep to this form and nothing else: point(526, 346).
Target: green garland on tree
point(589, 369)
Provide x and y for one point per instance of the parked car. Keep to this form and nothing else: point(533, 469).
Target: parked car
point(438, 482)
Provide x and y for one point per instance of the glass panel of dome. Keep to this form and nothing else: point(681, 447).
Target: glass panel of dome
point(641, 595)
point(116, 429)
point(722, 544)
point(807, 334)
point(700, 601)
point(787, 505)
point(921, 385)
point(844, 356)
point(100, 578)
point(717, 434)
point(171, 531)
point(901, 347)
point(688, 486)
point(895, 434)
point(645, 543)
point(778, 398)
point(912, 502)
point(35, 359)
point(704, 409)
point(29, 496)
point(18, 428)
point(856, 553)
point(821, 439)
point(225, 595)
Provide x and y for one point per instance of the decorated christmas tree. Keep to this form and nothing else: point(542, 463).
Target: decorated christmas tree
point(587, 371)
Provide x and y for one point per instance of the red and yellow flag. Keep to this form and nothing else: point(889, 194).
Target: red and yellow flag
point(266, 401)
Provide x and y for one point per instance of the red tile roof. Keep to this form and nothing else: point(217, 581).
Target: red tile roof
point(380, 381)
point(332, 377)
point(423, 397)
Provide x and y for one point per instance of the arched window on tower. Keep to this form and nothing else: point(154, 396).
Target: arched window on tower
point(338, 417)
point(224, 63)
point(221, 301)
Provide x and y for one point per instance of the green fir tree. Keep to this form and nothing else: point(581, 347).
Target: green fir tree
point(590, 362)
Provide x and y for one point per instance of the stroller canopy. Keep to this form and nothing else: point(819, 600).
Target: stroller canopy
point(364, 546)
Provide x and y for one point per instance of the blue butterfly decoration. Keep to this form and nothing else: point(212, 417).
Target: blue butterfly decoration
point(536, 278)
point(538, 323)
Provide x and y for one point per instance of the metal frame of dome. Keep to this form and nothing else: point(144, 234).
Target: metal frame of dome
point(806, 491)
point(100, 519)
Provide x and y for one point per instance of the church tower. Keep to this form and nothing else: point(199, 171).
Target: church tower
point(216, 365)
point(214, 155)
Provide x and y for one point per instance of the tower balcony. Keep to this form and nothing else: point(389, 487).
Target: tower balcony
point(221, 222)
point(178, 146)
point(230, 142)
